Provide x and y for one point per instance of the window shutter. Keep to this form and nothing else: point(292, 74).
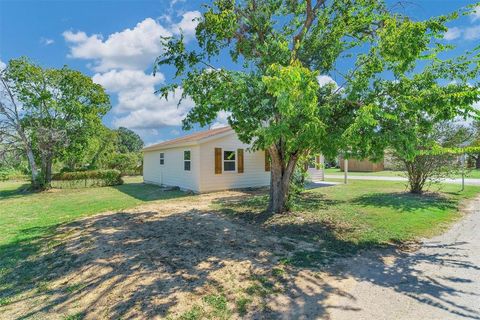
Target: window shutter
point(218, 160)
point(240, 160)
point(267, 161)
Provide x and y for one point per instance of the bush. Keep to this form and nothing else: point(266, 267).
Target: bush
point(12, 174)
point(93, 177)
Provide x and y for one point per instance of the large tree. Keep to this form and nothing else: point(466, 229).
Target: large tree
point(278, 50)
point(128, 141)
point(58, 111)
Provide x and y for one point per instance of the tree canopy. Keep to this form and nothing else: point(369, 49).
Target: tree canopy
point(128, 141)
point(272, 95)
point(58, 110)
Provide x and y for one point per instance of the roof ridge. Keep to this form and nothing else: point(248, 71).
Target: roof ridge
point(196, 136)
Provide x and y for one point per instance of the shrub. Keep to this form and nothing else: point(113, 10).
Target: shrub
point(12, 174)
point(93, 177)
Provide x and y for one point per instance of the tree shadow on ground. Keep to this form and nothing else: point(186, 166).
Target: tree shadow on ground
point(149, 192)
point(406, 202)
point(149, 264)
point(20, 191)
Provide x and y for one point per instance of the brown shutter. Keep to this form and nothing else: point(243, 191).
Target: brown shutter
point(267, 161)
point(240, 160)
point(218, 160)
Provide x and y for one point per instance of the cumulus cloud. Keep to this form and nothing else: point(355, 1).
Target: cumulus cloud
point(324, 79)
point(472, 33)
point(188, 24)
point(134, 48)
point(2, 65)
point(153, 112)
point(120, 60)
point(452, 33)
point(123, 80)
point(138, 106)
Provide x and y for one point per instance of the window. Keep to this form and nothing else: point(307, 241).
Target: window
point(162, 158)
point(228, 160)
point(186, 160)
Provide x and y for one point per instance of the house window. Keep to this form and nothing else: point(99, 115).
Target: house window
point(228, 160)
point(162, 158)
point(186, 160)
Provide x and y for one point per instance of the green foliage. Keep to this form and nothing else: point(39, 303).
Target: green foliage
point(398, 89)
point(61, 111)
point(128, 141)
point(102, 177)
point(12, 174)
point(126, 163)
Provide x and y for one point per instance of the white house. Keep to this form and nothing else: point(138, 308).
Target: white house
point(207, 161)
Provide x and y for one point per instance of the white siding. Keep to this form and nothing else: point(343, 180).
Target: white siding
point(172, 173)
point(254, 174)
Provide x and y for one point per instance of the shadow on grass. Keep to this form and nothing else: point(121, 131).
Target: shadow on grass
point(407, 202)
point(141, 265)
point(148, 192)
point(20, 191)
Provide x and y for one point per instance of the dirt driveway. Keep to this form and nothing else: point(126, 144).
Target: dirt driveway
point(180, 259)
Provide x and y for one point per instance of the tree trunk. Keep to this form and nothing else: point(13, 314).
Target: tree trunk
point(477, 162)
point(33, 168)
point(280, 177)
point(416, 176)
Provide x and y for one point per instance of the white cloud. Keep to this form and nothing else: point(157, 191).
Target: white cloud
point(124, 80)
point(151, 114)
point(129, 49)
point(475, 14)
point(324, 79)
point(452, 33)
point(188, 24)
point(2, 65)
point(472, 33)
point(46, 41)
point(222, 119)
point(120, 60)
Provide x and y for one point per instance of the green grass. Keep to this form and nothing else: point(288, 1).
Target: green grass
point(28, 219)
point(472, 174)
point(361, 214)
point(25, 215)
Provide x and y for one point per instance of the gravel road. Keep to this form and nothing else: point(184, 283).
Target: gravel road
point(441, 280)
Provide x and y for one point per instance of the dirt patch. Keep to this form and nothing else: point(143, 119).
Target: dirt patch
point(169, 259)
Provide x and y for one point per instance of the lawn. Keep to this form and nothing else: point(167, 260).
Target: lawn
point(361, 214)
point(209, 256)
point(472, 174)
point(25, 215)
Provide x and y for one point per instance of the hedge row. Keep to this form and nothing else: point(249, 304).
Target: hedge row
point(102, 177)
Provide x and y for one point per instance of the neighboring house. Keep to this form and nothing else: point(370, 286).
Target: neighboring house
point(207, 161)
point(356, 165)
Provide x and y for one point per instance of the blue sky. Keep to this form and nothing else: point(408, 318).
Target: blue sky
point(116, 42)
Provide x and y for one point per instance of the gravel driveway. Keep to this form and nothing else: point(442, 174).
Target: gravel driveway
point(439, 281)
